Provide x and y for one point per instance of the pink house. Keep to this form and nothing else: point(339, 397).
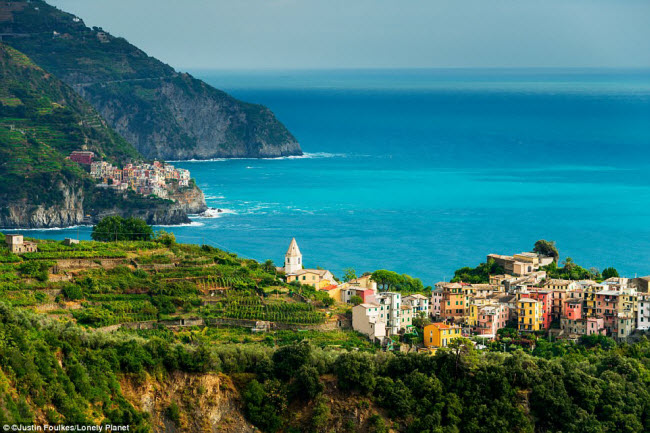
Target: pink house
point(491, 318)
point(595, 325)
point(573, 309)
point(368, 296)
point(436, 302)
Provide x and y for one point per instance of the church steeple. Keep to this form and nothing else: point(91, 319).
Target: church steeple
point(293, 258)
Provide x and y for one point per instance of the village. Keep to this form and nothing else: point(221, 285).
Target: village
point(523, 297)
point(145, 179)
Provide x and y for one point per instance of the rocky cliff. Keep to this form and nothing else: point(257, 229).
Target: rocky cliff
point(164, 114)
point(78, 206)
point(25, 214)
point(191, 200)
point(206, 403)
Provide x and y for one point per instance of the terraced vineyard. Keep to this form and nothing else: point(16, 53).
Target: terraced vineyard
point(154, 282)
point(251, 307)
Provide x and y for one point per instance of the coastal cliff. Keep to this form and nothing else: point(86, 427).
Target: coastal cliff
point(78, 206)
point(162, 113)
point(191, 199)
point(41, 121)
point(68, 211)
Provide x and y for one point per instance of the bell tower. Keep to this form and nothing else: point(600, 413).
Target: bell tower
point(293, 258)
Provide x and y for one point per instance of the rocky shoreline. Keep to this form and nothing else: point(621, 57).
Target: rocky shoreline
point(70, 211)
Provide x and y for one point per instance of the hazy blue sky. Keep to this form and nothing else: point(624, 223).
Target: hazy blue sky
point(378, 33)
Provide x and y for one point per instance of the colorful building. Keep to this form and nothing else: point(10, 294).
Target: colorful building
point(82, 157)
point(440, 334)
point(545, 299)
point(529, 314)
point(491, 318)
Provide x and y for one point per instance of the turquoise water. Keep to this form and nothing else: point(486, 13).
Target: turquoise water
point(425, 171)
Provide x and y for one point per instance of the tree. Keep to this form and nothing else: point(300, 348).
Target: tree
point(355, 371)
point(136, 229)
point(288, 359)
point(385, 279)
point(547, 248)
point(307, 384)
point(479, 275)
point(269, 266)
point(349, 274)
point(165, 238)
point(356, 300)
point(260, 409)
point(116, 228)
point(609, 273)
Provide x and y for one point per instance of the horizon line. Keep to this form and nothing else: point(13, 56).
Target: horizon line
point(420, 68)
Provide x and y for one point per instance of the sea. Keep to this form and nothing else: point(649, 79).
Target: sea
point(426, 171)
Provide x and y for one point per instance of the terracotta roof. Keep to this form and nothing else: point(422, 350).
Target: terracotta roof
point(330, 287)
point(440, 325)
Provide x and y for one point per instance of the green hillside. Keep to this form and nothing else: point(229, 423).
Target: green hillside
point(164, 114)
point(156, 335)
point(42, 120)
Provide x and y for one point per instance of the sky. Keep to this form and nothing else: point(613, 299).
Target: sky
point(313, 34)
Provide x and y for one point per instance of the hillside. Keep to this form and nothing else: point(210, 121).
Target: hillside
point(42, 120)
point(163, 113)
point(157, 335)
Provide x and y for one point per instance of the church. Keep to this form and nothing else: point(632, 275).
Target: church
point(294, 270)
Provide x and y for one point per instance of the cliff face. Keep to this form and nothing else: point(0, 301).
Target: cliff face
point(67, 212)
point(180, 117)
point(164, 114)
point(206, 403)
point(41, 121)
point(191, 200)
point(75, 208)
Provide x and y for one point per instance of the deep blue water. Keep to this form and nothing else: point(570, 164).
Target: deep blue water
point(425, 171)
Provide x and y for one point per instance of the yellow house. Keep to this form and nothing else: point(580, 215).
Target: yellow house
point(472, 317)
point(529, 314)
point(317, 278)
point(332, 290)
point(440, 334)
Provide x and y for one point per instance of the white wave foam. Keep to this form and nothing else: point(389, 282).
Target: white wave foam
point(214, 213)
point(191, 224)
point(45, 229)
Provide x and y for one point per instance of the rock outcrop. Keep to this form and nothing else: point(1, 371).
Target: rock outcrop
point(76, 208)
point(24, 214)
point(191, 200)
point(206, 403)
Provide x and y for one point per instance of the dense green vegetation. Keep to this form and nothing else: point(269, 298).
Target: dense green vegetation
point(478, 275)
point(547, 248)
point(593, 385)
point(392, 281)
point(116, 228)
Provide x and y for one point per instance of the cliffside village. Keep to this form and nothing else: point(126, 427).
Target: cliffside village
point(523, 296)
point(145, 179)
